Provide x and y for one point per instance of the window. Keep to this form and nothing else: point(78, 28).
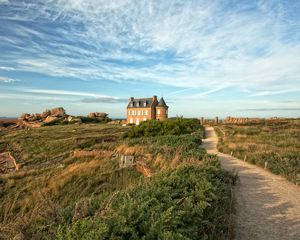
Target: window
point(145, 104)
point(138, 104)
point(131, 120)
point(144, 119)
point(158, 111)
point(128, 112)
point(131, 104)
point(139, 112)
point(146, 112)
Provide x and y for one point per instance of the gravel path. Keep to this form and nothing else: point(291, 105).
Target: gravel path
point(267, 206)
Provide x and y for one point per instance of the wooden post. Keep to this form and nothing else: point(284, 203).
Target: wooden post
point(216, 120)
point(202, 121)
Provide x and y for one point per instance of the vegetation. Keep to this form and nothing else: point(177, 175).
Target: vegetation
point(70, 185)
point(177, 126)
point(192, 202)
point(274, 144)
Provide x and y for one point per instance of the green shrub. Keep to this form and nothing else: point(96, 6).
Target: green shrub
point(191, 202)
point(177, 126)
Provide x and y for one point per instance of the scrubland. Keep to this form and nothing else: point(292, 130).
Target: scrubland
point(70, 184)
point(274, 145)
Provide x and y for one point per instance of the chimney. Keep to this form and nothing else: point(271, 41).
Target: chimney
point(154, 98)
point(131, 99)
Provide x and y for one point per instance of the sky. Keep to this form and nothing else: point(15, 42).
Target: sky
point(206, 58)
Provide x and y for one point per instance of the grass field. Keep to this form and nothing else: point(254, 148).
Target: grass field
point(70, 186)
point(271, 144)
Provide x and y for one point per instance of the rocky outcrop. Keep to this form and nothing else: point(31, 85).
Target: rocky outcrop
point(235, 120)
point(98, 115)
point(58, 112)
point(39, 119)
point(117, 122)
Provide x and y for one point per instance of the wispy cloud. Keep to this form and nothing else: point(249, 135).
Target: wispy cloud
point(104, 100)
point(64, 92)
point(271, 109)
point(184, 44)
point(269, 93)
point(202, 48)
point(7, 68)
point(7, 79)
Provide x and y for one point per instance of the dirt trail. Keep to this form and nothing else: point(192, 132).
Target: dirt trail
point(267, 205)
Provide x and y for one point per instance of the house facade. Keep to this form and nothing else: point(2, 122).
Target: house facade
point(143, 109)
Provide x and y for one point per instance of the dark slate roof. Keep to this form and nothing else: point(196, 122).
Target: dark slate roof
point(162, 103)
point(140, 102)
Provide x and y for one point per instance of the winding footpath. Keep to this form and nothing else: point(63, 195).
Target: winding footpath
point(267, 206)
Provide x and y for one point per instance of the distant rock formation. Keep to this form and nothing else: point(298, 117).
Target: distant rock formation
point(243, 120)
point(99, 115)
point(45, 118)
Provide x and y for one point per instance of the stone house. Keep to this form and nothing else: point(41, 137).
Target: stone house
point(143, 109)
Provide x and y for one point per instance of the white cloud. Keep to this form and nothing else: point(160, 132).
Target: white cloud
point(4, 1)
point(209, 42)
point(7, 68)
point(7, 79)
point(66, 93)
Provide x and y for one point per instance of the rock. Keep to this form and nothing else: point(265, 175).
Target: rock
point(91, 115)
point(50, 119)
point(70, 118)
point(45, 114)
point(34, 117)
point(35, 124)
point(58, 112)
point(24, 116)
point(99, 115)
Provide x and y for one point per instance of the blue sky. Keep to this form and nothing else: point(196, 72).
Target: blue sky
point(206, 58)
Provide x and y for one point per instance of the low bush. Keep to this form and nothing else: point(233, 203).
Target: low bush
point(177, 126)
point(191, 202)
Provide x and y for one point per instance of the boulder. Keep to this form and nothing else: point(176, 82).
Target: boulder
point(58, 112)
point(45, 114)
point(99, 115)
point(91, 115)
point(24, 116)
point(34, 117)
point(50, 119)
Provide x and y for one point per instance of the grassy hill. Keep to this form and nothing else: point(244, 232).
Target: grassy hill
point(275, 143)
point(70, 184)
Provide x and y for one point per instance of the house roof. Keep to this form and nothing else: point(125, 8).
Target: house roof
point(140, 103)
point(162, 103)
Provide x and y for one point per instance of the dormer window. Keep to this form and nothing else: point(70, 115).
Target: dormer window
point(138, 104)
point(131, 104)
point(145, 104)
